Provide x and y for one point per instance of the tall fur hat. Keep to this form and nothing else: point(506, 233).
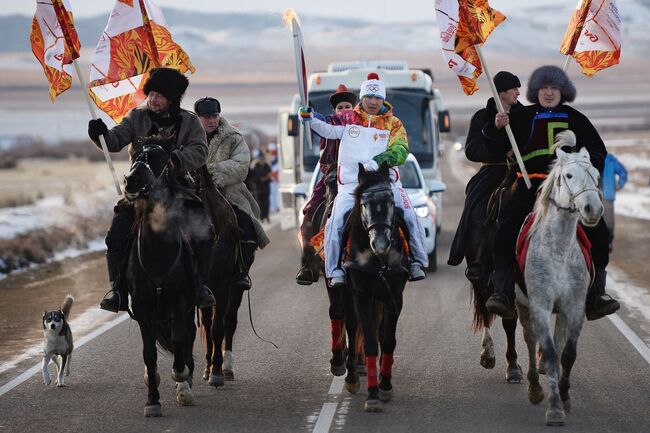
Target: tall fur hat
point(550, 75)
point(342, 94)
point(169, 82)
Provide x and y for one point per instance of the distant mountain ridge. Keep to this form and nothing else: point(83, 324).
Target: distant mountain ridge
point(536, 30)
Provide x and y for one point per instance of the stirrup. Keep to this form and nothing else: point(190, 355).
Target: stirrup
point(108, 304)
point(305, 281)
point(205, 297)
point(608, 306)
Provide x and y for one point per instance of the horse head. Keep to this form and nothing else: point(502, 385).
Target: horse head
point(148, 166)
point(573, 182)
point(376, 206)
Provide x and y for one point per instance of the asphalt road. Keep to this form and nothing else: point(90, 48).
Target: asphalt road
point(439, 385)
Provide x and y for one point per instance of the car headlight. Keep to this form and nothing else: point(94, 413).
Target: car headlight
point(422, 211)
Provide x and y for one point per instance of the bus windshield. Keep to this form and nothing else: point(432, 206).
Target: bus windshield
point(411, 106)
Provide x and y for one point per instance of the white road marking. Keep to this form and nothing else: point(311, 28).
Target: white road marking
point(337, 385)
point(324, 421)
point(638, 344)
point(83, 340)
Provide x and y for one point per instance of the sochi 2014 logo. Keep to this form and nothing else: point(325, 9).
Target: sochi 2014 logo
point(354, 131)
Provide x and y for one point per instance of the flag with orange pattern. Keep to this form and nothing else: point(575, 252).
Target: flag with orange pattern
point(55, 43)
point(593, 37)
point(135, 40)
point(463, 24)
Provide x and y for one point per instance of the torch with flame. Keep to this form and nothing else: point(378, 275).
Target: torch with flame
point(293, 23)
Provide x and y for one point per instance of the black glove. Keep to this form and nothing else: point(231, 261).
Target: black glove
point(96, 127)
point(175, 160)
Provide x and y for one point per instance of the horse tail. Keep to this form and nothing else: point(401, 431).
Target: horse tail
point(164, 339)
point(360, 340)
point(482, 317)
point(204, 321)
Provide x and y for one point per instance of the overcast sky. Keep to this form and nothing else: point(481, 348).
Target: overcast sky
point(372, 10)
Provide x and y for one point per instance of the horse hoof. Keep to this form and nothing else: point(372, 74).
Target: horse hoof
point(206, 373)
point(354, 387)
point(373, 405)
point(487, 362)
point(385, 395)
point(535, 394)
point(152, 410)
point(184, 395)
point(182, 376)
point(555, 416)
point(337, 370)
point(146, 378)
point(514, 374)
point(216, 380)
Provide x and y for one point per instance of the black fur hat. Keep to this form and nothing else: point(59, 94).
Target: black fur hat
point(550, 76)
point(168, 82)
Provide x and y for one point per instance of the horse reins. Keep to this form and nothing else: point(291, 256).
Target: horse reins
point(572, 207)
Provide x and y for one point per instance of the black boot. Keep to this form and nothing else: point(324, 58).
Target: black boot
point(599, 304)
point(202, 255)
point(117, 299)
point(474, 271)
point(309, 272)
point(242, 280)
point(501, 302)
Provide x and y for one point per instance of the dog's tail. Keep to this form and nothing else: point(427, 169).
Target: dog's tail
point(67, 305)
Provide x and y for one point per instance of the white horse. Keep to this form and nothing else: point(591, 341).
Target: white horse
point(556, 273)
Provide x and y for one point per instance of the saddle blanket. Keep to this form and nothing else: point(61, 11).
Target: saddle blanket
point(318, 240)
point(523, 241)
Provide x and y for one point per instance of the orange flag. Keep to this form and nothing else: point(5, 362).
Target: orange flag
point(135, 40)
point(593, 37)
point(55, 43)
point(463, 24)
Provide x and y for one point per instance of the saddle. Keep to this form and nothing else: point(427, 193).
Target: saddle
point(523, 242)
point(318, 240)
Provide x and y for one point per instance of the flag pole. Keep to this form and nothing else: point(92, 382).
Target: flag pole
point(566, 63)
point(511, 137)
point(93, 114)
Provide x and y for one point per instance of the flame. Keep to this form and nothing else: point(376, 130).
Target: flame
point(287, 16)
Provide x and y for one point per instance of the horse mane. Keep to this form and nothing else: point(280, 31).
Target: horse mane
point(564, 138)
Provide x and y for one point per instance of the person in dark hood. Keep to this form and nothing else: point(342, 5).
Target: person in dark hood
point(479, 147)
point(160, 114)
point(534, 128)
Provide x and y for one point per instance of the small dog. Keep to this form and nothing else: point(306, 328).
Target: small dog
point(57, 341)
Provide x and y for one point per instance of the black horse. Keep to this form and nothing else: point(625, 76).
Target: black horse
point(478, 256)
point(161, 269)
point(343, 319)
point(377, 273)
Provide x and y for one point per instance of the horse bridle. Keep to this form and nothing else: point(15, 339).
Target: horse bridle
point(365, 198)
point(146, 189)
point(572, 196)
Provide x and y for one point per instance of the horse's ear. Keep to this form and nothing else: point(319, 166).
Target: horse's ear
point(362, 173)
point(561, 155)
point(383, 170)
point(583, 151)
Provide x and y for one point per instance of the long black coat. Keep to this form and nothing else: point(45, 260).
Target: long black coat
point(480, 147)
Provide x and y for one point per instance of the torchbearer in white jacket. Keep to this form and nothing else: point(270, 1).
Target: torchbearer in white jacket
point(372, 136)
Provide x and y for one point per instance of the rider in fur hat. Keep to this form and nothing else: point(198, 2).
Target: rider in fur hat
point(160, 114)
point(534, 128)
point(340, 100)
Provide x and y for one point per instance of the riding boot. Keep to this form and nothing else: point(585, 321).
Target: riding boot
point(242, 280)
point(309, 271)
point(203, 254)
point(474, 271)
point(502, 301)
point(117, 298)
point(599, 304)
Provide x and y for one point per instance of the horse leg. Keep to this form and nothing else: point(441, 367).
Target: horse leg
point(513, 369)
point(569, 354)
point(231, 326)
point(387, 342)
point(337, 363)
point(535, 391)
point(542, 323)
point(366, 312)
point(150, 356)
point(352, 382)
point(184, 395)
point(216, 378)
point(488, 360)
point(206, 323)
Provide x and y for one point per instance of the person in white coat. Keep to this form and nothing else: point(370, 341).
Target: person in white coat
point(372, 136)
